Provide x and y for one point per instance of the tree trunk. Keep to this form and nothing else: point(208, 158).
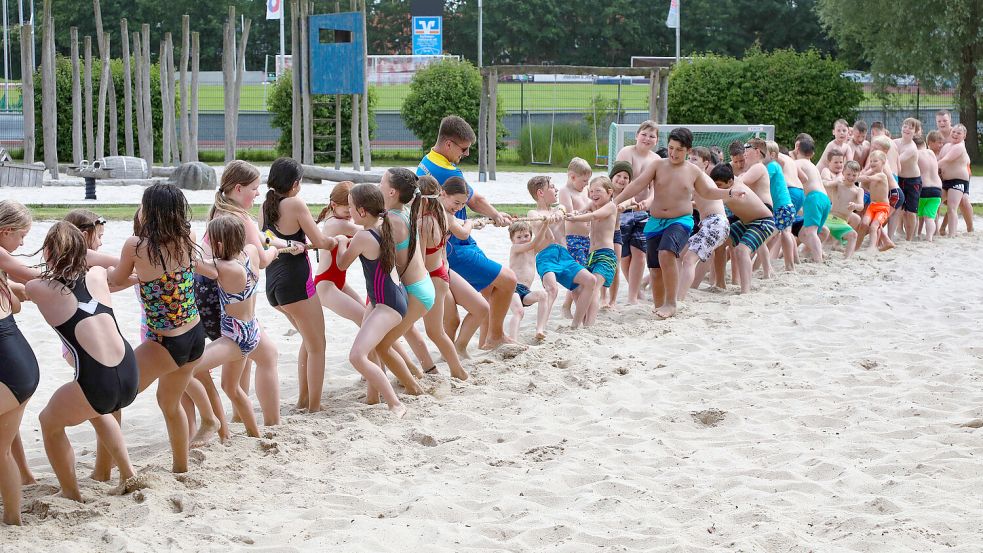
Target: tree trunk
point(103, 92)
point(295, 115)
point(49, 109)
point(165, 135)
point(148, 114)
point(969, 103)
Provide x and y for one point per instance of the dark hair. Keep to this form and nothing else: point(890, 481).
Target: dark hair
point(876, 125)
point(284, 172)
point(704, 154)
point(455, 185)
point(662, 152)
point(165, 226)
point(227, 233)
point(369, 198)
point(736, 148)
point(804, 136)
point(427, 203)
point(65, 248)
point(722, 172)
point(682, 135)
point(807, 146)
point(453, 127)
point(833, 152)
point(918, 140)
point(860, 125)
point(403, 181)
point(86, 221)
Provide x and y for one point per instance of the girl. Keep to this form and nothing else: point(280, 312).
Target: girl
point(232, 267)
point(432, 218)
point(376, 249)
point(19, 373)
point(93, 228)
point(289, 286)
point(163, 254)
point(329, 282)
point(106, 375)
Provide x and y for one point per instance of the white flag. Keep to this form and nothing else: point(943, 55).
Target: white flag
point(672, 20)
point(274, 9)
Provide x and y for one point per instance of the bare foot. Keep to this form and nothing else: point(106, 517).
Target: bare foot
point(369, 400)
point(74, 496)
point(463, 353)
point(494, 342)
point(98, 476)
point(568, 311)
point(431, 370)
point(224, 433)
point(399, 410)
point(415, 371)
point(665, 311)
point(28, 479)
point(460, 374)
point(205, 432)
point(301, 404)
point(235, 416)
point(540, 336)
point(11, 519)
point(886, 247)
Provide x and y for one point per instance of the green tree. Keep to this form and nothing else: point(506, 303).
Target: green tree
point(934, 41)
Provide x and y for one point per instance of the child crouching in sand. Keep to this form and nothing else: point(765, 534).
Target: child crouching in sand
point(522, 261)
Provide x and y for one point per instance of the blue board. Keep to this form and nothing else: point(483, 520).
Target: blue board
point(428, 37)
point(337, 53)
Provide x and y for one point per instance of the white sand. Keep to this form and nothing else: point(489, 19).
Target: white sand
point(823, 412)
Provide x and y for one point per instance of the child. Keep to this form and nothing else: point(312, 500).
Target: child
point(712, 234)
point(877, 212)
point(833, 171)
point(816, 208)
point(573, 197)
point(954, 168)
point(329, 281)
point(783, 206)
point(845, 194)
point(620, 176)
point(376, 249)
point(554, 263)
point(858, 142)
point(603, 218)
point(634, 215)
point(896, 197)
point(106, 375)
point(753, 226)
point(841, 135)
point(522, 260)
point(931, 193)
point(909, 174)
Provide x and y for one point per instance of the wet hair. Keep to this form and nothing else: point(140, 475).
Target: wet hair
point(579, 166)
point(86, 221)
point(227, 234)
point(808, 147)
point(137, 225)
point(604, 181)
point(368, 198)
point(535, 184)
point(15, 216)
point(338, 196)
point(703, 153)
point(453, 127)
point(682, 135)
point(455, 185)
point(236, 173)
point(165, 226)
point(64, 249)
point(833, 152)
point(284, 172)
point(428, 203)
point(860, 125)
point(662, 152)
point(519, 226)
point(403, 181)
point(852, 165)
point(933, 136)
point(722, 172)
point(735, 149)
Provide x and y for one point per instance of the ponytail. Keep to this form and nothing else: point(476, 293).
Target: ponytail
point(387, 245)
point(427, 203)
point(369, 198)
point(284, 173)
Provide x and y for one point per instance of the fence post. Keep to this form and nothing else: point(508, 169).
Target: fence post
point(918, 100)
point(492, 112)
point(482, 132)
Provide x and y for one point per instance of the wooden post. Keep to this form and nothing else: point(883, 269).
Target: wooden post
point(337, 131)
point(97, 13)
point(127, 90)
point(113, 113)
point(148, 117)
point(240, 76)
point(492, 113)
point(193, 124)
point(183, 86)
point(228, 81)
point(90, 138)
point(654, 94)
point(27, 88)
point(165, 134)
point(49, 110)
point(138, 95)
point(103, 91)
point(295, 115)
point(77, 153)
point(356, 116)
point(172, 100)
point(307, 116)
point(663, 97)
point(482, 130)
point(366, 142)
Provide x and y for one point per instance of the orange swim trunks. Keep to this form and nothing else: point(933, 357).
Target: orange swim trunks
point(878, 212)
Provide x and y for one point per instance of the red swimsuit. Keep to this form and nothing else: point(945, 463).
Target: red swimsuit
point(332, 274)
point(439, 272)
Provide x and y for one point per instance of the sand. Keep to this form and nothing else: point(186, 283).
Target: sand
point(823, 412)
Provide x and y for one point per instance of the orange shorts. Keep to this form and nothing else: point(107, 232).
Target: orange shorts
point(878, 212)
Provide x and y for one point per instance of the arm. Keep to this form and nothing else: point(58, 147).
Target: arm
point(480, 204)
point(461, 231)
point(120, 275)
point(95, 258)
point(207, 268)
point(266, 256)
point(638, 184)
point(706, 188)
point(306, 221)
point(953, 153)
point(17, 271)
point(349, 250)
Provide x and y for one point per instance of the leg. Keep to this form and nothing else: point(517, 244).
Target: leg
point(658, 289)
point(742, 261)
point(788, 249)
point(851, 244)
point(687, 273)
point(11, 414)
point(432, 322)
point(669, 264)
point(310, 323)
point(720, 256)
point(17, 451)
point(214, 420)
point(616, 285)
point(419, 347)
point(503, 287)
point(517, 313)
point(267, 381)
point(414, 311)
point(595, 303)
point(966, 208)
point(953, 200)
point(476, 306)
point(636, 269)
point(540, 298)
point(380, 321)
point(814, 246)
point(584, 296)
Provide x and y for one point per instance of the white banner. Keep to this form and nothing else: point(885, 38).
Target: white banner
point(274, 9)
point(672, 20)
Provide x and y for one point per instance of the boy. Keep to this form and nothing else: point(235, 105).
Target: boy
point(714, 228)
point(954, 167)
point(815, 210)
point(833, 172)
point(931, 196)
point(783, 206)
point(522, 261)
point(845, 194)
point(909, 175)
point(554, 262)
point(667, 231)
point(753, 225)
point(573, 197)
point(896, 197)
point(858, 142)
point(943, 124)
point(737, 163)
point(841, 135)
point(603, 218)
point(633, 220)
point(877, 212)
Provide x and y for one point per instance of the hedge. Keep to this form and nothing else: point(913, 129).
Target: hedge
point(796, 92)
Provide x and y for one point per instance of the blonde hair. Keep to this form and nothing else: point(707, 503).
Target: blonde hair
point(877, 154)
point(236, 173)
point(852, 165)
point(773, 148)
point(579, 166)
point(604, 181)
point(882, 143)
point(14, 216)
point(519, 226)
point(649, 125)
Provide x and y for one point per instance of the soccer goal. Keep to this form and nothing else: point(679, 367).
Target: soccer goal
point(621, 135)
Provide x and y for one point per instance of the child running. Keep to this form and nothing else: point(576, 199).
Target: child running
point(376, 250)
point(602, 215)
point(522, 261)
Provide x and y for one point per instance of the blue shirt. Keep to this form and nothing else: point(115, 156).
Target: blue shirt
point(441, 169)
point(779, 190)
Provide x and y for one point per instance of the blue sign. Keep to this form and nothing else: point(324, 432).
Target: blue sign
point(428, 39)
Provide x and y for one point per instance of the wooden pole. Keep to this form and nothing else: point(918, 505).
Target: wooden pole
point(240, 76)
point(113, 113)
point(90, 138)
point(183, 86)
point(97, 13)
point(77, 144)
point(307, 117)
point(653, 95)
point(366, 144)
point(27, 89)
point(193, 124)
point(138, 95)
point(663, 97)
point(356, 150)
point(337, 131)
point(295, 115)
point(127, 90)
point(49, 110)
point(492, 113)
point(228, 81)
point(165, 135)
point(148, 117)
point(482, 128)
point(172, 101)
point(103, 91)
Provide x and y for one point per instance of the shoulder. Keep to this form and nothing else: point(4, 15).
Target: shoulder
point(624, 154)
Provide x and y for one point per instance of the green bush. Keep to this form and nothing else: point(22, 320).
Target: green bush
point(280, 104)
point(63, 89)
point(796, 92)
point(569, 140)
point(245, 154)
point(445, 88)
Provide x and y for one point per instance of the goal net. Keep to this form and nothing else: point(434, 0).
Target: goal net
point(621, 135)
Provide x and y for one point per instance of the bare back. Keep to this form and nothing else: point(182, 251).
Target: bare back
point(756, 178)
point(928, 164)
point(813, 181)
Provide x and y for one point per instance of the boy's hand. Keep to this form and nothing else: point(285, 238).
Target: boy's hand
point(502, 220)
